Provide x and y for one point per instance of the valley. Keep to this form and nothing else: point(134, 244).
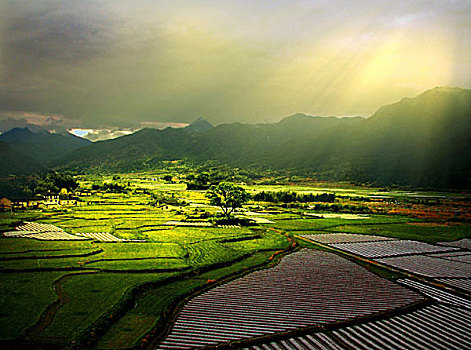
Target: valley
point(119, 269)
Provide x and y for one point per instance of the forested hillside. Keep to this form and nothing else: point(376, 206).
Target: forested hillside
point(421, 141)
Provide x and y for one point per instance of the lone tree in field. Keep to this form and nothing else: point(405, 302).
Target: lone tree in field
point(227, 196)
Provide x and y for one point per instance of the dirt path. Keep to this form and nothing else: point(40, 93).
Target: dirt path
point(46, 318)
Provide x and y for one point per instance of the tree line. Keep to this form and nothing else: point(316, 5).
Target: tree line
point(291, 197)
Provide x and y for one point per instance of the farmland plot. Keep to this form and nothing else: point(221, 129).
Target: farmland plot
point(390, 248)
point(100, 236)
point(23, 245)
point(329, 238)
point(461, 283)
point(189, 223)
point(434, 327)
point(464, 243)
point(436, 293)
point(316, 341)
point(338, 216)
point(307, 288)
point(429, 266)
point(33, 226)
point(45, 236)
point(461, 258)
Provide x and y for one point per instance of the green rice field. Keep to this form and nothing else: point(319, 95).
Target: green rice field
point(112, 295)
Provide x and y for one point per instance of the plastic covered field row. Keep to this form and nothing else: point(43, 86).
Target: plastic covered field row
point(462, 283)
point(390, 248)
point(100, 236)
point(438, 327)
point(316, 341)
point(329, 238)
point(189, 223)
point(437, 294)
point(429, 266)
point(306, 288)
point(32, 226)
point(435, 327)
point(464, 243)
point(45, 236)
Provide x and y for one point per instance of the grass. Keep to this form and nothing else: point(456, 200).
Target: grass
point(19, 245)
point(91, 297)
point(23, 298)
point(430, 234)
point(142, 250)
point(144, 264)
point(329, 223)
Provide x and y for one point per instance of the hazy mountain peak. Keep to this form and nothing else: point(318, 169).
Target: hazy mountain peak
point(447, 89)
point(434, 104)
point(16, 134)
point(298, 117)
point(199, 125)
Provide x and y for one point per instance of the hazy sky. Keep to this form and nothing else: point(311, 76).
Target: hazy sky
point(130, 63)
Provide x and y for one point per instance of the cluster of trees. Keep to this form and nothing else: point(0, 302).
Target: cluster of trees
point(159, 198)
point(28, 186)
point(202, 181)
point(291, 197)
point(342, 208)
point(110, 187)
point(203, 177)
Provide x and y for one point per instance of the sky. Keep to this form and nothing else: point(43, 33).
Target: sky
point(121, 65)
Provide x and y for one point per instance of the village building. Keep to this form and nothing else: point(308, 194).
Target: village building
point(26, 203)
point(5, 204)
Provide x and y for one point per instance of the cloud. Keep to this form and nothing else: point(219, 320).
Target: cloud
point(112, 133)
point(105, 64)
point(101, 134)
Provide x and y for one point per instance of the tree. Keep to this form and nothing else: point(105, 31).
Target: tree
point(201, 182)
point(227, 196)
point(168, 178)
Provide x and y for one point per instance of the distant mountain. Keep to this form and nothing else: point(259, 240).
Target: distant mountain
point(141, 150)
point(42, 146)
point(11, 123)
point(199, 125)
point(12, 162)
point(234, 144)
point(423, 141)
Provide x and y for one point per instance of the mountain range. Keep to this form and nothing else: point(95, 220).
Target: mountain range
point(423, 142)
point(44, 147)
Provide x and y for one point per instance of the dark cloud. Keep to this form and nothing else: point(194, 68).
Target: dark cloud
point(119, 63)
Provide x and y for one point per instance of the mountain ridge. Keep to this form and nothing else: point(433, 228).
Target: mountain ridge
point(421, 141)
point(41, 145)
point(404, 143)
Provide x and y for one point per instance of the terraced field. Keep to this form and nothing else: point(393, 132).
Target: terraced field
point(134, 265)
point(107, 268)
